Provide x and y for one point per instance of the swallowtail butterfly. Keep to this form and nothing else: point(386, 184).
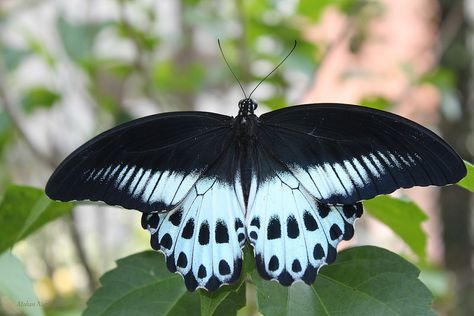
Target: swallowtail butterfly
point(289, 182)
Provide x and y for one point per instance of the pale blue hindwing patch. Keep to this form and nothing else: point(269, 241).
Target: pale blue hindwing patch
point(203, 236)
point(293, 234)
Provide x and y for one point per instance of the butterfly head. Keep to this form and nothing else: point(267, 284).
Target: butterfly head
point(247, 106)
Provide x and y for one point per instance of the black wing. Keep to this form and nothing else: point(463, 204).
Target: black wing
point(148, 164)
point(343, 154)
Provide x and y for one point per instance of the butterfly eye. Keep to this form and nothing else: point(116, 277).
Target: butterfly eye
point(254, 105)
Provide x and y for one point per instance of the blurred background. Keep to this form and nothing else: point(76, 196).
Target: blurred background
point(71, 69)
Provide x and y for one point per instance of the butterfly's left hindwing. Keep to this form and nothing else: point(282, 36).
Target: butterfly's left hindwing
point(202, 236)
point(149, 164)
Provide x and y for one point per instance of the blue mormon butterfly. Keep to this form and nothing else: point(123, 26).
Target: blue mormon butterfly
point(288, 182)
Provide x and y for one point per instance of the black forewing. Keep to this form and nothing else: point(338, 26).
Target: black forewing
point(147, 164)
point(344, 154)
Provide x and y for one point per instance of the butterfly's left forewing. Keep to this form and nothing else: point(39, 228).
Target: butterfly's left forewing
point(149, 164)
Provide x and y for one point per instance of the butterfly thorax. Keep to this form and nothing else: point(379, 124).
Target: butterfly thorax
point(245, 127)
point(245, 124)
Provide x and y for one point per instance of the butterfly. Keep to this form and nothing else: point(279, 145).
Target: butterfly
point(289, 182)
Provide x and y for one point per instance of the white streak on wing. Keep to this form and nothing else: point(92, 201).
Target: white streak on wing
point(98, 173)
point(106, 176)
point(344, 178)
point(405, 161)
point(319, 176)
point(371, 167)
point(361, 170)
point(114, 171)
point(131, 188)
point(91, 173)
point(143, 181)
point(334, 180)
point(157, 194)
point(306, 181)
point(149, 186)
point(169, 187)
point(411, 159)
point(377, 163)
point(359, 182)
point(385, 159)
point(125, 179)
point(394, 159)
point(185, 186)
point(119, 178)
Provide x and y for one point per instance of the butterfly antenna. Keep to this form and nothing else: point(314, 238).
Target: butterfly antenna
point(227, 63)
point(274, 69)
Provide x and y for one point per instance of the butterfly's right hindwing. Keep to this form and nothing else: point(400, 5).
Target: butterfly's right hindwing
point(149, 164)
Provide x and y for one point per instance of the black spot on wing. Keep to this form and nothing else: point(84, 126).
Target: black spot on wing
point(348, 231)
point(238, 224)
point(175, 218)
point(274, 228)
point(323, 210)
point(255, 222)
point(182, 260)
point(296, 266)
point(292, 227)
point(335, 232)
point(224, 268)
point(309, 221)
point(204, 233)
point(166, 241)
point(318, 252)
point(253, 235)
point(273, 264)
point(188, 230)
point(202, 272)
point(222, 235)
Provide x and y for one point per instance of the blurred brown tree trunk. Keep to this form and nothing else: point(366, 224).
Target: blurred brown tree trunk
point(455, 201)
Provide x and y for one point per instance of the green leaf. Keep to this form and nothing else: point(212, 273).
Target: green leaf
point(276, 102)
point(23, 210)
point(376, 102)
point(142, 285)
point(17, 286)
point(39, 97)
point(363, 281)
point(223, 301)
point(312, 9)
point(468, 181)
point(403, 217)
